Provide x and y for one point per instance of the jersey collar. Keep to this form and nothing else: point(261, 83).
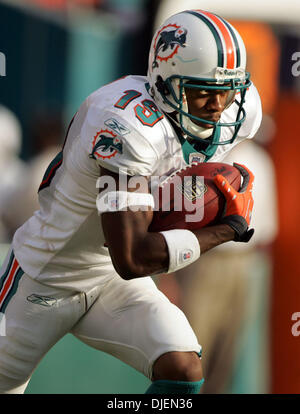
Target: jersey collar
point(190, 153)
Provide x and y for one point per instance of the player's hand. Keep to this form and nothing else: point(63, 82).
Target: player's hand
point(239, 204)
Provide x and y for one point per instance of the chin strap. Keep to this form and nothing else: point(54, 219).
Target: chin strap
point(195, 129)
point(190, 126)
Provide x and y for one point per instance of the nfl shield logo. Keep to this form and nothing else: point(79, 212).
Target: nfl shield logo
point(193, 188)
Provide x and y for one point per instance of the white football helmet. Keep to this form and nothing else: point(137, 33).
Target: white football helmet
point(196, 45)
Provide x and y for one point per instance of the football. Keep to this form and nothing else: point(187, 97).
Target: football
point(188, 199)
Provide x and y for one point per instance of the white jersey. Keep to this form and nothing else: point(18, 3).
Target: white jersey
point(120, 128)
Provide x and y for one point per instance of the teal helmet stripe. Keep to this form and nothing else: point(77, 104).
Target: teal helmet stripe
point(236, 43)
point(215, 33)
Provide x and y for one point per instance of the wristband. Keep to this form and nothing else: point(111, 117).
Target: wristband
point(183, 247)
point(121, 200)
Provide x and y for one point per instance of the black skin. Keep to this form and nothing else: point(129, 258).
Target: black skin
point(206, 104)
point(135, 252)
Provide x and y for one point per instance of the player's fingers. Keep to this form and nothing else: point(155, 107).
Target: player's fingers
point(248, 177)
point(224, 186)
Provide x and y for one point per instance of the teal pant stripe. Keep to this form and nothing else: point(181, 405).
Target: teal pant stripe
point(12, 290)
point(4, 276)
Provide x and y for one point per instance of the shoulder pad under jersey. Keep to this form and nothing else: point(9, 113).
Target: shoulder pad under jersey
point(123, 129)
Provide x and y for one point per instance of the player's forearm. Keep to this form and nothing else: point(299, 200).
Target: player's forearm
point(210, 237)
point(147, 256)
point(158, 258)
point(151, 254)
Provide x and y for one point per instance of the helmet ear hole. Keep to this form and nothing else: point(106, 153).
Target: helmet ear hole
point(162, 86)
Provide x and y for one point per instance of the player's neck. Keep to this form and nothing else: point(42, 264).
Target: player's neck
point(199, 146)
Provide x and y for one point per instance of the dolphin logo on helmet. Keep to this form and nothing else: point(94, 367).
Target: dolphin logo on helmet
point(212, 56)
point(168, 39)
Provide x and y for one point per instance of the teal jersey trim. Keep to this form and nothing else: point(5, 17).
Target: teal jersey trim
point(188, 148)
point(147, 86)
point(51, 170)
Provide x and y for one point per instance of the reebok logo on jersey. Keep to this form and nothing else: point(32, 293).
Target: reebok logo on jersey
point(116, 126)
point(106, 144)
point(41, 300)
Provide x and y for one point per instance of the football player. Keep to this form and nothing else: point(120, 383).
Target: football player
point(82, 263)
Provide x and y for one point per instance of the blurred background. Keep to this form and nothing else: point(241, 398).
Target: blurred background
point(240, 300)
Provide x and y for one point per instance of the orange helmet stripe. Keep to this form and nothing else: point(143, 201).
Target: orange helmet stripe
point(230, 47)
